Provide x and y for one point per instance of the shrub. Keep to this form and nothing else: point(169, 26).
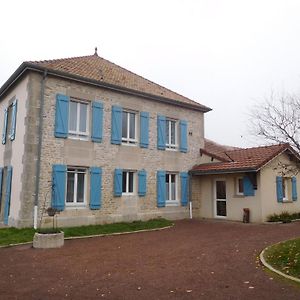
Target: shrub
point(284, 217)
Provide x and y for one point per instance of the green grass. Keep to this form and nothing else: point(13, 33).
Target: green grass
point(10, 236)
point(285, 257)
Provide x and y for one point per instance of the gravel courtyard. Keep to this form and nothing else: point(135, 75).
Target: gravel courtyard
point(193, 260)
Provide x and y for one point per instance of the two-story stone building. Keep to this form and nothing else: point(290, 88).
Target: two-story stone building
point(95, 141)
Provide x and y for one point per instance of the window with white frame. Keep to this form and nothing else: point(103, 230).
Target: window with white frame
point(128, 182)
point(171, 188)
point(239, 186)
point(171, 134)
point(285, 188)
point(129, 135)
point(76, 186)
point(79, 119)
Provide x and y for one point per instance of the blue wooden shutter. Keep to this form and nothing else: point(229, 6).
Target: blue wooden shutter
point(161, 188)
point(161, 132)
point(248, 186)
point(59, 175)
point(97, 121)
point(142, 188)
point(61, 116)
point(12, 133)
point(95, 188)
point(183, 136)
point(184, 188)
point(4, 127)
point(144, 129)
point(118, 182)
point(7, 194)
point(279, 191)
point(294, 188)
point(116, 125)
point(1, 180)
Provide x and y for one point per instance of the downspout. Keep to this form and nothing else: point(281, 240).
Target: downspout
point(190, 195)
point(38, 163)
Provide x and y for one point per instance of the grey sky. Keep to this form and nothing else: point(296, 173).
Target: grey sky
point(224, 54)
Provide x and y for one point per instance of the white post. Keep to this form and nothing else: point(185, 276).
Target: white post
point(35, 211)
point(191, 210)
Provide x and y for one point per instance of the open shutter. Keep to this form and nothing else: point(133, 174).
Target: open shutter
point(95, 188)
point(144, 129)
point(142, 175)
point(61, 116)
point(116, 125)
point(7, 195)
point(161, 132)
point(294, 188)
point(118, 182)
point(1, 180)
point(248, 186)
point(59, 174)
point(12, 133)
point(161, 188)
point(184, 188)
point(183, 136)
point(279, 191)
point(97, 121)
point(4, 126)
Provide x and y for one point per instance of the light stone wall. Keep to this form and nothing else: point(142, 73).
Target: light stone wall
point(11, 154)
point(108, 156)
point(268, 185)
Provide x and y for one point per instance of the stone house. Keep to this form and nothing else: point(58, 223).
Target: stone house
point(95, 141)
point(264, 180)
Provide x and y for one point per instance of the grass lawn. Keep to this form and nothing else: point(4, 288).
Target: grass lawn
point(285, 257)
point(13, 235)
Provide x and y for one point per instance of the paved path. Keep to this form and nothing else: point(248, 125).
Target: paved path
point(193, 260)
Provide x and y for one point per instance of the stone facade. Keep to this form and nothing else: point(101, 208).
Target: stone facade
point(87, 154)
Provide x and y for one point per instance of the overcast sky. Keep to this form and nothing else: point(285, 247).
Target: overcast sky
point(224, 54)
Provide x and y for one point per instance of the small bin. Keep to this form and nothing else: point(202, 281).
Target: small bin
point(246, 215)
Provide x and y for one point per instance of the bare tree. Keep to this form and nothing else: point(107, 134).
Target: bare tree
point(277, 120)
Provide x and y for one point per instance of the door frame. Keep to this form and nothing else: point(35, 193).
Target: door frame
point(215, 197)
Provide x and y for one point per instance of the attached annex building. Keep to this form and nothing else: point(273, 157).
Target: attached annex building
point(102, 144)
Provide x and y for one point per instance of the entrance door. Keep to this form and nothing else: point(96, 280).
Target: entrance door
point(220, 198)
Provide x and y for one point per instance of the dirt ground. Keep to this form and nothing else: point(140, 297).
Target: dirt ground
point(193, 260)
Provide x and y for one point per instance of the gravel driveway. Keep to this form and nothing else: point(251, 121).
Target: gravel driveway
point(193, 260)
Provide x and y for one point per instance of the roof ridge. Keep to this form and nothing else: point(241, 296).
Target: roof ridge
point(259, 147)
point(58, 59)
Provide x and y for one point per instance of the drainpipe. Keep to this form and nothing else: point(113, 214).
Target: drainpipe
point(190, 195)
point(38, 163)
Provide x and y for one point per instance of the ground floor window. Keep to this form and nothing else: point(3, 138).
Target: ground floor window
point(285, 188)
point(239, 186)
point(76, 186)
point(128, 178)
point(171, 188)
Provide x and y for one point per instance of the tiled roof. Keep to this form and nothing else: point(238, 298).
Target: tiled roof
point(244, 159)
point(98, 69)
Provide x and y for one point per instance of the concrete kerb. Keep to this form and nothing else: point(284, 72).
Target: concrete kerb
point(97, 235)
point(267, 265)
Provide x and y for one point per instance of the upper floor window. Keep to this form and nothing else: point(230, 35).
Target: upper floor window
point(171, 134)
point(129, 127)
point(76, 186)
point(10, 119)
point(78, 119)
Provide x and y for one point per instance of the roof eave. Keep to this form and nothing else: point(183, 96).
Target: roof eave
point(229, 171)
point(28, 66)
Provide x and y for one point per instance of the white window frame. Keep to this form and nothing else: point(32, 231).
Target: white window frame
point(77, 134)
point(127, 140)
point(169, 145)
point(285, 187)
point(75, 203)
point(176, 201)
point(238, 193)
point(127, 193)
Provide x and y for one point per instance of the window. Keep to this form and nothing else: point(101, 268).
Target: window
point(171, 134)
point(239, 186)
point(171, 188)
point(129, 127)
point(76, 186)
point(78, 120)
point(285, 188)
point(128, 182)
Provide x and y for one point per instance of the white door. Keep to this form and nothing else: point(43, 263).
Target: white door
point(220, 204)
